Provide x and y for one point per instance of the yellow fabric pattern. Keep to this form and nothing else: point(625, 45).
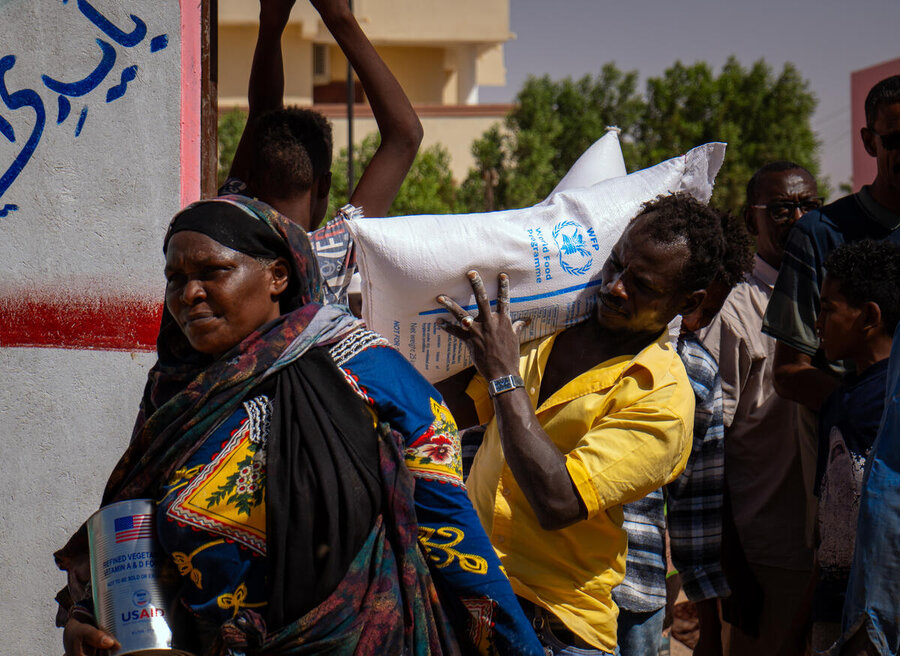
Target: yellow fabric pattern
point(185, 565)
point(437, 453)
point(625, 427)
point(428, 538)
point(227, 496)
point(237, 600)
point(182, 477)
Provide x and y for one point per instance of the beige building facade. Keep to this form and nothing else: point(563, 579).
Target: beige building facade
point(441, 52)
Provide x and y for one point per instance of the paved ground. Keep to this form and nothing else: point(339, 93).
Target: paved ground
point(678, 649)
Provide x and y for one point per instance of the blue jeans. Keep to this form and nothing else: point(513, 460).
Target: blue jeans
point(640, 634)
point(558, 648)
point(540, 621)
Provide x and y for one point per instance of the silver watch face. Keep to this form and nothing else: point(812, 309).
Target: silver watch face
point(504, 384)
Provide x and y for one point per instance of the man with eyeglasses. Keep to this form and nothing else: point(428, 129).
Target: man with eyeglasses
point(801, 372)
point(765, 553)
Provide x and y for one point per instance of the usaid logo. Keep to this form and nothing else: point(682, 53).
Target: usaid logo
point(143, 614)
point(140, 598)
point(573, 241)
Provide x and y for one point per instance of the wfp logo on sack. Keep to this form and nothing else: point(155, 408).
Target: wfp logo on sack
point(574, 255)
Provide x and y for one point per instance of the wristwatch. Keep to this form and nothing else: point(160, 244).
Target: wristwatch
point(505, 384)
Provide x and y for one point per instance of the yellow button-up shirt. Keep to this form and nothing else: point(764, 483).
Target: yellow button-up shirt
point(625, 427)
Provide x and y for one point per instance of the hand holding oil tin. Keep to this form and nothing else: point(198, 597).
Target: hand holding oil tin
point(131, 595)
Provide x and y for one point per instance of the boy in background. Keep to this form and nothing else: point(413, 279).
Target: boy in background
point(872, 608)
point(860, 309)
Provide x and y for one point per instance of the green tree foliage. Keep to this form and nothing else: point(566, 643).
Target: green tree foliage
point(761, 116)
point(428, 188)
point(484, 189)
point(231, 127)
point(553, 123)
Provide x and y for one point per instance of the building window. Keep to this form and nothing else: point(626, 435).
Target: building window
point(321, 68)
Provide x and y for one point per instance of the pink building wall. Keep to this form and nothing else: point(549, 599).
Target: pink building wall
point(860, 83)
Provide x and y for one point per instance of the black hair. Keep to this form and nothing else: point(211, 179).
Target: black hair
point(886, 92)
point(737, 260)
point(679, 218)
point(778, 166)
point(291, 149)
point(868, 271)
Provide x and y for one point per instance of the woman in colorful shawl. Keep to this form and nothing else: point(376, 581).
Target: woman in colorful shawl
point(308, 479)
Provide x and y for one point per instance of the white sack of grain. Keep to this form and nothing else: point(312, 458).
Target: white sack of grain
point(553, 253)
point(602, 161)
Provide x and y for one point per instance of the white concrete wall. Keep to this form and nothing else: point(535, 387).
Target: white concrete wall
point(81, 225)
point(66, 417)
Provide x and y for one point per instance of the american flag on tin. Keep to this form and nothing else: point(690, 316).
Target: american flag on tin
point(133, 527)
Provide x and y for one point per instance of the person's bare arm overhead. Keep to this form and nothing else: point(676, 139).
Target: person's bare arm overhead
point(266, 88)
point(401, 131)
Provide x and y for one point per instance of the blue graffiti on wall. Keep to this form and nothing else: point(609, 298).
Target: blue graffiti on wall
point(66, 90)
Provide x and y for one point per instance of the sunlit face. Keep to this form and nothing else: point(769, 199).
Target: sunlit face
point(839, 324)
point(641, 278)
point(792, 186)
point(887, 124)
point(218, 296)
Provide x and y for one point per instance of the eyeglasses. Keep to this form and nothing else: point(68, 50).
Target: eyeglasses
point(783, 211)
point(889, 141)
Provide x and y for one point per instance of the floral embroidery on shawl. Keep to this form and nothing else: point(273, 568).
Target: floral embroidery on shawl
point(436, 454)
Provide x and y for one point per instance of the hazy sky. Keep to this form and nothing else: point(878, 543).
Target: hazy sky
point(825, 39)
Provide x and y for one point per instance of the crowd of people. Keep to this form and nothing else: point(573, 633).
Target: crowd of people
point(738, 481)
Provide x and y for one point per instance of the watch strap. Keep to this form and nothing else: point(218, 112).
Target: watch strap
point(505, 384)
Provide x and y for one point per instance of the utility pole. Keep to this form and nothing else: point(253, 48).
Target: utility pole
point(351, 96)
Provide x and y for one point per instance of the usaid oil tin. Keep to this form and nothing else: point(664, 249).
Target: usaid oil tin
point(131, 596)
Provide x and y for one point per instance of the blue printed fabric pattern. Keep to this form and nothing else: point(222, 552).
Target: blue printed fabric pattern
point(644, 588)
point(211, 520)
point(336, 253)
point(695, 497)
point(692, 505)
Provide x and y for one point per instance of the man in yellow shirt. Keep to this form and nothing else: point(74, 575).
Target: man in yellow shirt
point(583, 421)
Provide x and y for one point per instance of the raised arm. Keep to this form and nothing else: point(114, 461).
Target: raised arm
point(266, 88)
point(401, 131)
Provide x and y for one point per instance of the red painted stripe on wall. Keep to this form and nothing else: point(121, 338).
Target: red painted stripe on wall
point(103, 324)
